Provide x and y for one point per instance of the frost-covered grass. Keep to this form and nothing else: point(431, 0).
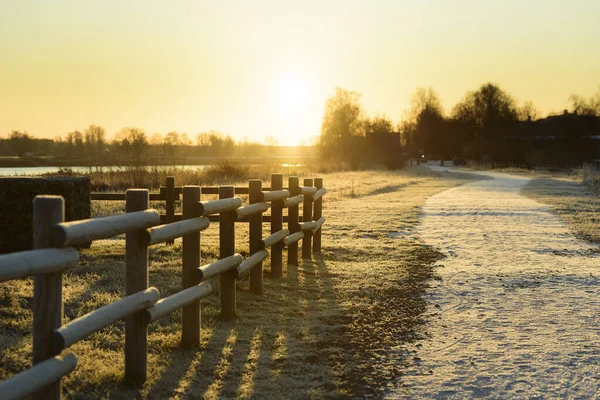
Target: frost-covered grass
point(320, 331)
point(572, 201)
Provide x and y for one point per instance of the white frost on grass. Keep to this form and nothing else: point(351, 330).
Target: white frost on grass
point(516, 313)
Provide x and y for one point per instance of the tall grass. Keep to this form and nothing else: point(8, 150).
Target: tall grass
point(222, 173)
point(152, 177)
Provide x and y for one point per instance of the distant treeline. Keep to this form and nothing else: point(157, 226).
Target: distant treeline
point(486, 125)
point(133, 145)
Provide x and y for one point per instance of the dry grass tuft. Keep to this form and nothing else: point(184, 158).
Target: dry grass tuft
point(328, 328)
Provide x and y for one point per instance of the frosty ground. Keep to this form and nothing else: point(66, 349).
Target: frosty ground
point(515, 312)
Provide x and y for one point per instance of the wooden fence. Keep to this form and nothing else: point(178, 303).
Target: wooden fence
point(142, 305)
point(170, 194)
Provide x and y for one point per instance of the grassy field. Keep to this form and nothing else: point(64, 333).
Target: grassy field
point(324, 330)
point(571, 200)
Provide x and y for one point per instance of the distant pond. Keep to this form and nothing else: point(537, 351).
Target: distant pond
point(32, 171)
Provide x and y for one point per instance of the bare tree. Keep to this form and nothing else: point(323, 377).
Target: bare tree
point(132, 141)
point(528, 112)
point(583, 106)
point(342, 123)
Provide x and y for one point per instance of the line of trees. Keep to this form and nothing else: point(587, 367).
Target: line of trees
point(472, 128)
point(131, 143)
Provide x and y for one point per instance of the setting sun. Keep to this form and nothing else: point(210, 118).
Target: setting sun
point(292, 92)
point(296, 105)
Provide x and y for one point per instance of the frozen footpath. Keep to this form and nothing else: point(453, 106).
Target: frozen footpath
point(516, 313)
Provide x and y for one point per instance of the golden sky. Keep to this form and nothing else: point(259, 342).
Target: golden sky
point(265, 68)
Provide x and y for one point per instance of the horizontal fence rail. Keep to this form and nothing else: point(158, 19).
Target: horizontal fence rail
point(273, 239)
point(219, 206)
point(38, 376)
point(214, 269)
point(34, 262)
point(168, 305)
point(177, 229)
point(76, 232)
point(92, 322)
point(142, 304)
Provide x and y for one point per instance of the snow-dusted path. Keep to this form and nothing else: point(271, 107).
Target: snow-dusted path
point(516, 313)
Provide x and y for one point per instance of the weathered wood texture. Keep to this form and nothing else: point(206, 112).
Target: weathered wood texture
point(136, 280)
point(218, 267)
point(170, 202)
point(168, 305)
point(277, 222)
point(252, 262)
point(293, 225)
point(318, 213)
point(318, 224)
point(251, 210)
point(75, 232)
point(47, 290)
point(307, 215)
point(276, 194)
point(320, 192)
point(273, 239)
point(219, 206)
point(293, 201)
point(308, 226)
point(34, 262)
point(308, 187)
point(216, 218)
point(191, 318)
point(293, 239)
point(166, 233)
point(255, 236)
point(226, 249)
point(82, 327)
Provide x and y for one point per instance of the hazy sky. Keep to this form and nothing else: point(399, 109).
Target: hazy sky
point(259, 68)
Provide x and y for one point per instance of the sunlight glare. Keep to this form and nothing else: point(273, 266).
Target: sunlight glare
point(292, 93)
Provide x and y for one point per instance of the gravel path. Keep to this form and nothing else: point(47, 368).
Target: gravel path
point(516, 313)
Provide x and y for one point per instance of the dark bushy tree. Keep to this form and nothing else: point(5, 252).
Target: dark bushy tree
point(425, 129)
point(485, 114)
point(20, 143)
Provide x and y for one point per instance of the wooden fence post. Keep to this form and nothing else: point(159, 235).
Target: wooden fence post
point(276, 226)
point(255, 221)
point(191, 318)
point(227, 248)
point(294, 187)
point(170, 202)
point(136, 279)
point(47, 292)
point(318, 214)
point(307, 217)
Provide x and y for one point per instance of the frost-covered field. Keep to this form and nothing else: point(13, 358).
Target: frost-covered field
point(516, 313)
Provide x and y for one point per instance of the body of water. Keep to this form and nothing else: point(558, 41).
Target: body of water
point(33, 171)
point(20, 171)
